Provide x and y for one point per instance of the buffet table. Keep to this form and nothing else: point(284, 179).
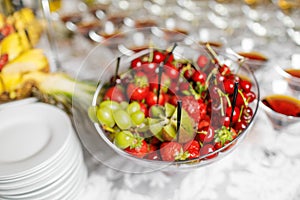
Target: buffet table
point(246, 172)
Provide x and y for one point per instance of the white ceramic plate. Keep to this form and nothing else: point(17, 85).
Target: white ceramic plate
point(30, 135)
point(18, 103)
point(43, 177)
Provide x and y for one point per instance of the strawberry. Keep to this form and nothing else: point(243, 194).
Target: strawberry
point(193, 148)
point(152, 154)
point(171, 151)
point(139, 150)
point(223, 136)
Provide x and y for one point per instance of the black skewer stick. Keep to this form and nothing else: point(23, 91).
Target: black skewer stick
point(160, 68)
point(235, 92)
point(117, 71)
point(179, 110)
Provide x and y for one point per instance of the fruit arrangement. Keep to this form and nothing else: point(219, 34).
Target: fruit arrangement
point(24, 69)
point(169, 108)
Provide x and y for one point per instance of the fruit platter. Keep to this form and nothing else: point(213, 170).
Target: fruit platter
point(183, 106)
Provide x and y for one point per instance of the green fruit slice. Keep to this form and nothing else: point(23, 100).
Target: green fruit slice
point(169, 109)
point(168, 132)
point(187, 126)
point(156, 126)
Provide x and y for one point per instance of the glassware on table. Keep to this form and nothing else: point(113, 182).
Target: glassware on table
point(103, 149)
point(282, 111)
point(290, 71)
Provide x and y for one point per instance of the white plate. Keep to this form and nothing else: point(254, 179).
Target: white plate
point(30, 135)
point(54, 188)
point(18, 103)
point(43, 177)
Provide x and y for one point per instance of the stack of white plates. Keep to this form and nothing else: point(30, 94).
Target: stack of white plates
point(40, 155)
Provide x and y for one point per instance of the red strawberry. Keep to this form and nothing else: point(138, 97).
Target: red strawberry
point(139, 150)
point(152, 154)
point(171, 151)
point(114, 93)
point(193, 148)
point(223, 136)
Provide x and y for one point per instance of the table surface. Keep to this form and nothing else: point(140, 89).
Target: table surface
point(242, 175)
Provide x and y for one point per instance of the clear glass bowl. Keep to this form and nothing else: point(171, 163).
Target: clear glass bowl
point(109, 154)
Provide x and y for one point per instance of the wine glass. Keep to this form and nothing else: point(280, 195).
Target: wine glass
point(282, 111)
point(289, 70)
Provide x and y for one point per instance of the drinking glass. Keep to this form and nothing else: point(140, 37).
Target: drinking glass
point(281, 122)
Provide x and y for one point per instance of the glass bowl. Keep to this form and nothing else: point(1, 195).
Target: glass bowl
point(124, 161)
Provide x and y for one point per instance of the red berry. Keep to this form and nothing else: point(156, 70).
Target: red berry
point(151, 99)
point(189, 73)
point(207, 149)
point(241, 125)
point(246, 85)
point(199, 76)
point(149, 67)
point(236, 113)
point(207, 135)
point(114, 93)
point(193, 148)
point(229, 86)
point(171, 71)
point(140, 151)
point(170, 150)
point(202, 61)
point(136, 63)
point(158, 56)
point(136, 93)
point(250, 96)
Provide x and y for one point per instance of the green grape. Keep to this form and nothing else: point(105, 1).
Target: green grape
point(123, 139)
point(92, 112)
point(137, 117)
point(122, 119)
point(112, 105)
point(105, 117)
point(124, 105)
point(133, 107)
